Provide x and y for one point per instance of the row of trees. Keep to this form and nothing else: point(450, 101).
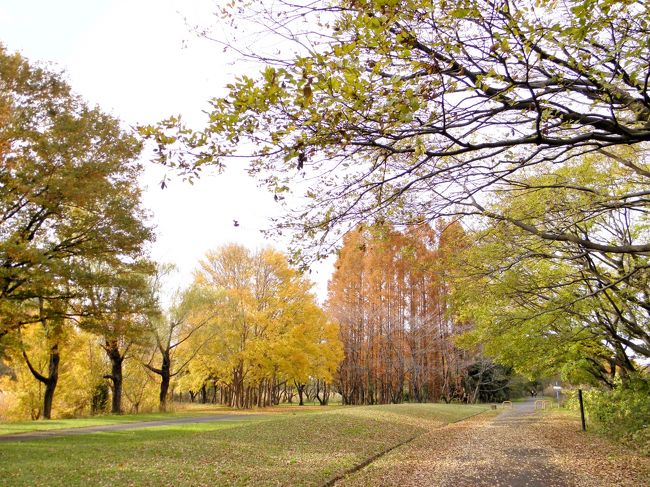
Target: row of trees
point(248, 330)
point(80, 311)
point(266, 331)
point(390, 293)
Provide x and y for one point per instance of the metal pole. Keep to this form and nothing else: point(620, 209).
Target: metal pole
point(582, 410)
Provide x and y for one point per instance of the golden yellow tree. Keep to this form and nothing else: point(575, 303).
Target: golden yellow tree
point(268, 331)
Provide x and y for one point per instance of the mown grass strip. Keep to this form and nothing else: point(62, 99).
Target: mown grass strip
point(190, 411)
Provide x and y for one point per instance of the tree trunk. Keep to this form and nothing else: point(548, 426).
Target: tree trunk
point(164, 392)
point(50, 385)
point(116, 374)
point(116, 358)
point(301, 390)
point(165, 377)
point(326, 393)
point(51, 381)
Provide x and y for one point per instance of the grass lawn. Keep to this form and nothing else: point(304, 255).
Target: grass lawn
point(12, 427)
point(194, 410)
point(285, 449)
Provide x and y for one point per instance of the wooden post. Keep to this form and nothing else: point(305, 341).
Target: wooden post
point(582, 410)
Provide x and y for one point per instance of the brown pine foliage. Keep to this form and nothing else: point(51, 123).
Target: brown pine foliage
point(389, 294)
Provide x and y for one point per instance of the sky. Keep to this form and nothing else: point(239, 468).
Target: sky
point(138, 60)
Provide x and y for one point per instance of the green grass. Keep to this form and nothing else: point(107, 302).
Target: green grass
point(13, 427)
point(285, 449)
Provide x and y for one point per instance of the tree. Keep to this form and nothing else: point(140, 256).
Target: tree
point(487, 382)
point(122, 304)
point(53, 331)
point(306, 349)
point(268, 331)
point(140, 389)
point(410, 110)
point(556, 307)
point(77, 373)
point(389, 294)
point(67, 194)
point(187, 316)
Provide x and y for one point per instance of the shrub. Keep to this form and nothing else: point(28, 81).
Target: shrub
point(622, 412)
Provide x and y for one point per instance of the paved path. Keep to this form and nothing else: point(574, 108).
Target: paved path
point(519, 448)
point(36, 435)
point(508, 452)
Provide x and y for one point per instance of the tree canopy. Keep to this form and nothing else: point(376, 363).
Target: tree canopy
point(265, 330)
point(408, 110)
point(550, 306)
point(68, 194)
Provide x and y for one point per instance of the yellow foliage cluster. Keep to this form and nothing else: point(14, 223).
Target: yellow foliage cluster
point(81, 373)
point(267, 329)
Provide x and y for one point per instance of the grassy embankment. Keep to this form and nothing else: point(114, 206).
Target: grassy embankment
point(283, 449)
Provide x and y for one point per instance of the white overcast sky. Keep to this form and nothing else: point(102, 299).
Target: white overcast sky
point(137, 60)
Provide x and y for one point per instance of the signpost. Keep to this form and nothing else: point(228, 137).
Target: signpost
point(557, 389)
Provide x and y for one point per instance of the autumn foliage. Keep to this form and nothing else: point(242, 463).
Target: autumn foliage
point(267, 334)
point(389, 294)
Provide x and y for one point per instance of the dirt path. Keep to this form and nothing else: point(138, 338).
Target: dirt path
point(36, 435)
point(519, 447)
